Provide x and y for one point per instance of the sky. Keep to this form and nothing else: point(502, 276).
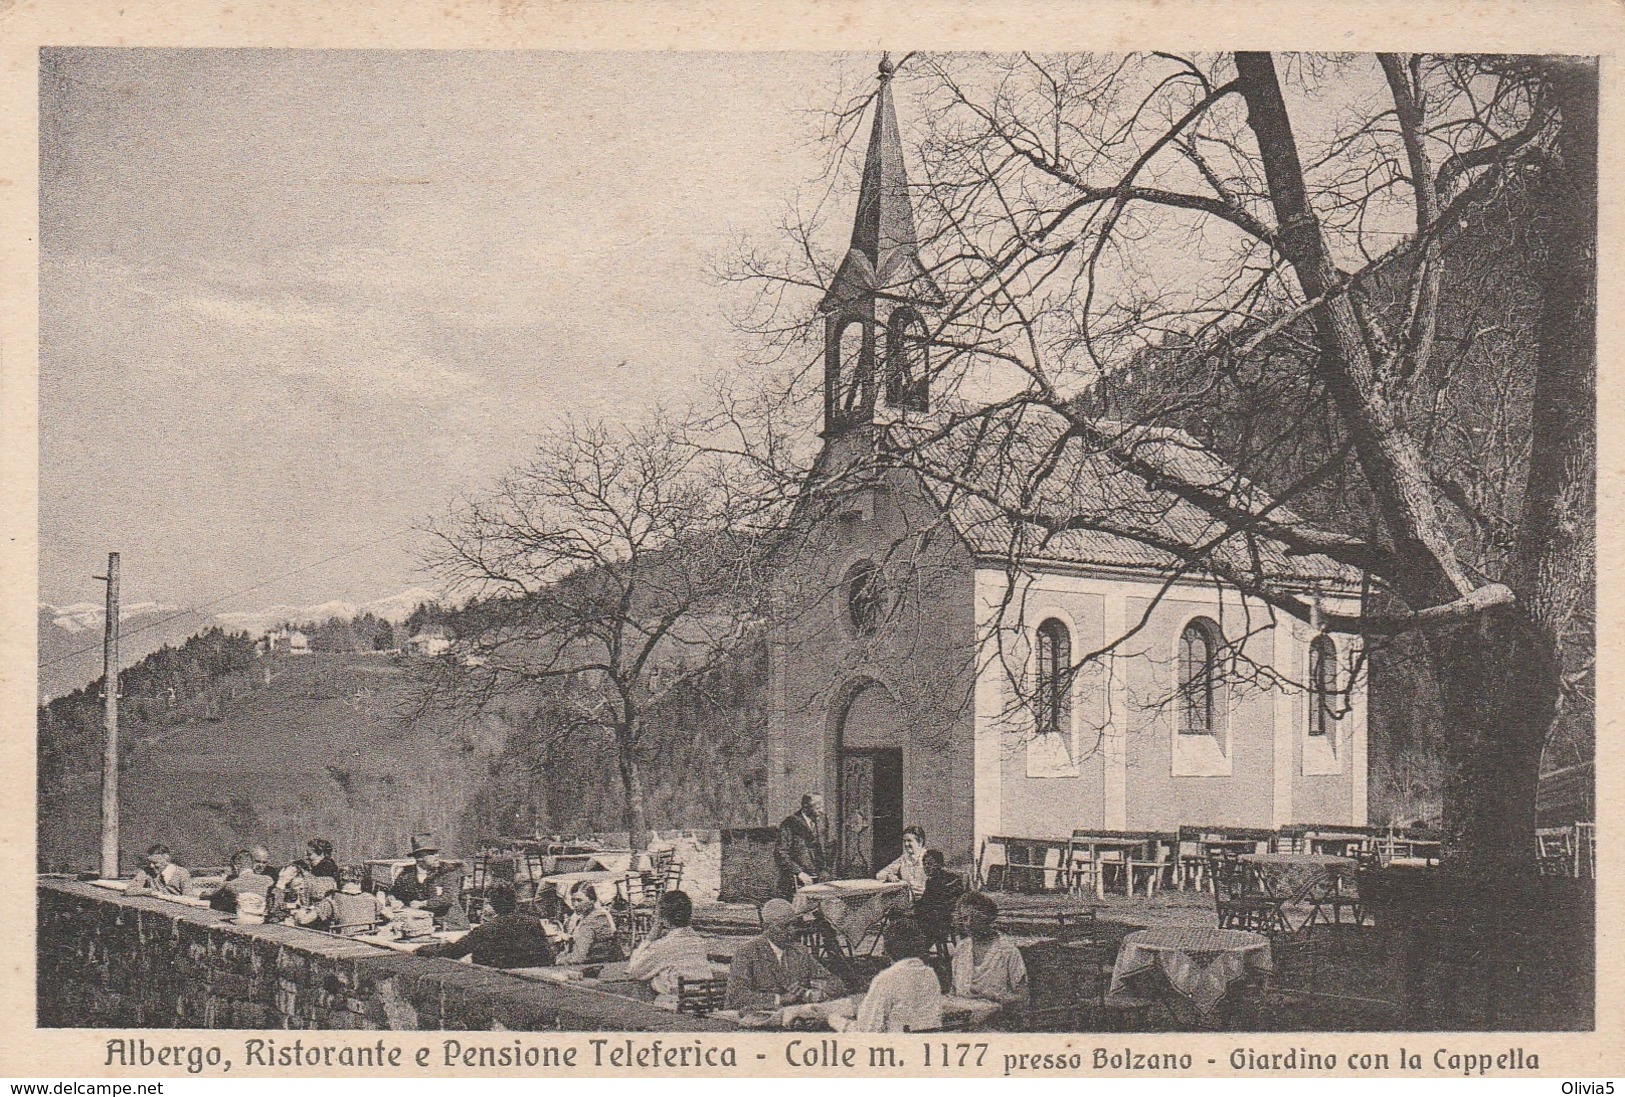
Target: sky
point(293, 302)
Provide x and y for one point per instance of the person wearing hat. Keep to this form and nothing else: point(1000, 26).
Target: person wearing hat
point(432, 884)
point(775, 969)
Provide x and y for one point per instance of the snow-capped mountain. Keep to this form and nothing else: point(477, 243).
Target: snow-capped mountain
point(81, 616)
point(395, 609)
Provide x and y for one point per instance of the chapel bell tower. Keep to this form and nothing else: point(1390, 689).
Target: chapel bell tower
point(876, 361)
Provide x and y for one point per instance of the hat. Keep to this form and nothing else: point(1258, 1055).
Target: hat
point(423, 843)
point(777, 912)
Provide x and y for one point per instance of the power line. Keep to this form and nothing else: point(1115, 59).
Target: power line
point(233, 594)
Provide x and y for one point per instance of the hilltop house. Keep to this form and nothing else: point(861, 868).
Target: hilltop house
point(283, 642)
point(928, 665)
point(432, 640)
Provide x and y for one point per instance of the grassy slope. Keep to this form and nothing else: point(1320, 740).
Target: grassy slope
point(327, 749)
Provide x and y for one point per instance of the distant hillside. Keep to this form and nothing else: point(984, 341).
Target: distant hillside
point(328, 747)
point(70, 637)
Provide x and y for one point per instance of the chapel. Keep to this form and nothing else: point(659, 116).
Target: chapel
point(934, 664)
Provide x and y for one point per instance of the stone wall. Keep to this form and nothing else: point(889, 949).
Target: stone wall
point(107, 960)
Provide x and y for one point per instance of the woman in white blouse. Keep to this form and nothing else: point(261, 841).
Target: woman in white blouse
point(986, 963)
point(908, 868)
point(906, 997)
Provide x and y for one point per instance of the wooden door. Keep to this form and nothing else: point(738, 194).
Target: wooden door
point(871, 810)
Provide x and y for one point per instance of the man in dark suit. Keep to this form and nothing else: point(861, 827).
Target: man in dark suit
point(433, 884)
point(799, 851)
point(775, 969)
point(934, 908)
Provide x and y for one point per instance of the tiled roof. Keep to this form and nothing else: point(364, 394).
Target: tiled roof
point(981, 470)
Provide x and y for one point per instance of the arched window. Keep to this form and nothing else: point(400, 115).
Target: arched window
point(907, 385)
point(865, 598)
point(1322, 686)
point(852, 371)
point(1198, 668)
point(1053, 704)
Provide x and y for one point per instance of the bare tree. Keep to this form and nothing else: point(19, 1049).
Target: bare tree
point(1296, 233)
point(616, 564)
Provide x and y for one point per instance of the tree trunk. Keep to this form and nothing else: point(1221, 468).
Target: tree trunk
point(1497, 676)
point(634, 815)
point(1498, 694)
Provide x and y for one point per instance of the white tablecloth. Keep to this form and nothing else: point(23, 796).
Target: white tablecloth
point(853, 906)
point(1200, 964)
point(969, 1012)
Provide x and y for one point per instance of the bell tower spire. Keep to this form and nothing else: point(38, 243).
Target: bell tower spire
point(875, 345)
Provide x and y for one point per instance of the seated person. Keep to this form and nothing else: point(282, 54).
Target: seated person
point(905, 997)
point(986, 963)
point(303, 889)
point(672, 951)
point(775, 969)
point(160, 875)
point(590, 929)
point(908, 868)
point(934, 908)
point(262, 863)
point(433, 884)
point(317, 861)
point(349, 911)
point(243, 880)
point(509, 938)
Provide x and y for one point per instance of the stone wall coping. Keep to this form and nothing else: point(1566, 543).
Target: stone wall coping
point(451, 974)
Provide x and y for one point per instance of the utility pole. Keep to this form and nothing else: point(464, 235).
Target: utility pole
point(110, 866)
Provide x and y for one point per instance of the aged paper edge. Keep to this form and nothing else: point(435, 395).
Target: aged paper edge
point(1554, 26)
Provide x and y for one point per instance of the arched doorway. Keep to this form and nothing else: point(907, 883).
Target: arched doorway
point(869, 774)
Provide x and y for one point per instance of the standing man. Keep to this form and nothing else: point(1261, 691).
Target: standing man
point(799, 851)
point(432, 884)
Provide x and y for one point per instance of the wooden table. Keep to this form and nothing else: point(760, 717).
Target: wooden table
point(384, 941)
point(564, 882)
point(1314, 880)
point(382, 873)
point(1126, 846)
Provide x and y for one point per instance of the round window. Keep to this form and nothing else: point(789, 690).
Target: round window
point(865, 598)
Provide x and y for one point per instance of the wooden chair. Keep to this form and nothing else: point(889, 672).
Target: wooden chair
point(701, 996)
point(1190, 868)
point(634, 927)
point(672, 878)
point(1585, 850)
point(1236, 907)
point(1151, 870)
point(1555, 850)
